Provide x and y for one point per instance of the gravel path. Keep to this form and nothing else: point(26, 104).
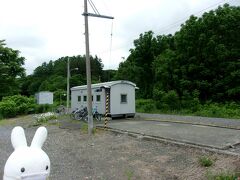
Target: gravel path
point(222, 122)
point(74, 156)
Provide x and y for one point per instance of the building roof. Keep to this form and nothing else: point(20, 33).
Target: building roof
point(105, 85)
point(40, 92)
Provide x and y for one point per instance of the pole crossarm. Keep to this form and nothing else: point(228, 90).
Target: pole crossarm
point(97, 15)
point(88, 65)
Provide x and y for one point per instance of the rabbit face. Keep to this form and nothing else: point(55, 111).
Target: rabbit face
point(26, 162)
point(29, 163)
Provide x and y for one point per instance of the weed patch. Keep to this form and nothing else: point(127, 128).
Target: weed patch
point(45, 117)
point(129, 174)
point(205, 161)
point(223, 176)
point(189, 107)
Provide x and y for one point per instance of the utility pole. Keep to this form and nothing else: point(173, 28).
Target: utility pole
point(68, 77)
point(88, 66)
point(88, 70)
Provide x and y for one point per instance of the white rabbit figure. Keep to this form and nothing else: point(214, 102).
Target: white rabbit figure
point(27, 162)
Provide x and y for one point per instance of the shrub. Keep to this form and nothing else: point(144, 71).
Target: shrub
point(162, 106)
point(23, 103)
point(148, 107)
point(158, 94)
point(8, 109)
point(16, 105)
point(193, 105)
point(171, 99)
point(230, 110)
point(145, 105)
point(41, 108)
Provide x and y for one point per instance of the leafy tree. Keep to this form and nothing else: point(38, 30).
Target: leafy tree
point(108, 75)
point(77, 80)
point(199, 62)
point(208, 53)
point(138, 66)
point(203, 57)
point(52, 76)
point(45, 86)
point(166, 71)
point(10, 68)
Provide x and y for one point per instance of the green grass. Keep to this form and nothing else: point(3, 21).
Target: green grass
point(228, 110)
point(12, 121)
point(84, 128)
point(4, 122)
point(223, 176)
point(129, 174)
point(205, 161)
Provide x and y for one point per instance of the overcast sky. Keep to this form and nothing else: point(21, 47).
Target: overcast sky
point(45, 30)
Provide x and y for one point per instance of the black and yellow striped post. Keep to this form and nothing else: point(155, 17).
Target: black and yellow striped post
point(107, 111)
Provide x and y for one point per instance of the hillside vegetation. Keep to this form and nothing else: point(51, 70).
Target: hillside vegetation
point(197, 68)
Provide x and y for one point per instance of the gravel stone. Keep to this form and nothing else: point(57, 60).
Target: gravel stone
point(74, 156)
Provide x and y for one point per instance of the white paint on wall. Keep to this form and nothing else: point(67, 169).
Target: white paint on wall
point(117, 88)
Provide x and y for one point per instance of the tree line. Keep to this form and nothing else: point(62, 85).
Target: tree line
point(52, 76)
point(200, 62)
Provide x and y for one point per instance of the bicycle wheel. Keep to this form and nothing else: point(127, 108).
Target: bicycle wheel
point(77, 116)
point(72, 116)
point(85, 118)
point(98, 116)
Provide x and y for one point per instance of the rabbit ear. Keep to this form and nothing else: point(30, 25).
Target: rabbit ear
point(39, 137)
point(18, 137)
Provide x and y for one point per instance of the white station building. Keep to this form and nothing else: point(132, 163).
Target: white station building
point(121, 98)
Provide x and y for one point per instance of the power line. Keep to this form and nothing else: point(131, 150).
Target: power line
point(175, 24)
point(93, 7)
point(107, 8)
point(110, 53)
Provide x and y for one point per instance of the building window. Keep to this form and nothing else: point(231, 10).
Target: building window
point(98, 98)
point(98, 90)
point(85, 98)
point(79, 98)
point(123, 98)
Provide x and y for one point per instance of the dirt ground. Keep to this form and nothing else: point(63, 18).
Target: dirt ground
point(74, 156)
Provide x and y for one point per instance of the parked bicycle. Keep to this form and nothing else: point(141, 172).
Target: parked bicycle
point(72, 114)
point(61, 110)
point(96, 114)
point(82, 114)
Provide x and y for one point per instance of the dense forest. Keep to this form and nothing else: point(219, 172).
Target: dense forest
point(200, 63)
point(201, 60)
point(52, 76)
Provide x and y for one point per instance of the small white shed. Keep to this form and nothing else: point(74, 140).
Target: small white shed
point(44, 97)
point(121, 98)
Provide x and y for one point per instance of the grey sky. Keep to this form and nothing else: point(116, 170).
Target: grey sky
point(46, 30)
